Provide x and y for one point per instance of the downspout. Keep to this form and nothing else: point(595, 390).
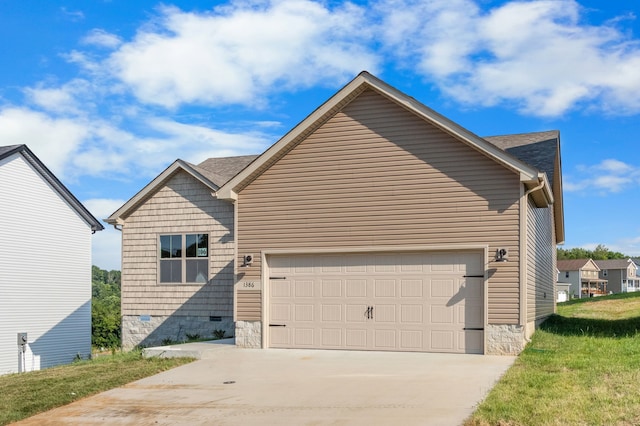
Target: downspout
point(523, 256)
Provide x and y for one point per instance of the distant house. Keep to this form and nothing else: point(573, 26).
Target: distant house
point(621, 274)
point(375, 224)
point(583, 275)
point(45, 266)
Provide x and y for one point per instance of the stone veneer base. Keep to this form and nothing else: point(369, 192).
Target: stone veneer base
point(249, 334)
point(150, 330)
point(505, 339)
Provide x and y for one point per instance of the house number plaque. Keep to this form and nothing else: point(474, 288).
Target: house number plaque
point(249, 285)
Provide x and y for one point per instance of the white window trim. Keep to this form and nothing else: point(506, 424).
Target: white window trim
point(183, 259)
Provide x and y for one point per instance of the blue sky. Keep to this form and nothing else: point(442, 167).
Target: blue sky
point(109, 93)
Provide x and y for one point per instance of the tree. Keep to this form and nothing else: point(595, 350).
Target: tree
point(105, 308)
point(601, 252)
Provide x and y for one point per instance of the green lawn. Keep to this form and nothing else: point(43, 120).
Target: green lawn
point(582, 367)
point(26, 394)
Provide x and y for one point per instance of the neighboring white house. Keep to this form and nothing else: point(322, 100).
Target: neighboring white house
point(45, 266)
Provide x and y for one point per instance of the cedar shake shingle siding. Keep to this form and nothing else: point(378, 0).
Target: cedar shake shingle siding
point(377, 175)
point(182, 205)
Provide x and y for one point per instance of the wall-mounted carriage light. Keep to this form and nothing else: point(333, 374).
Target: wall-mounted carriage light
point(502, 255)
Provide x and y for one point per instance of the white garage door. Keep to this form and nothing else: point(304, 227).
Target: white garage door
point(419, 302)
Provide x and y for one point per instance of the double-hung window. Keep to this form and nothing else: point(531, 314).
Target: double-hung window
point(184, 258)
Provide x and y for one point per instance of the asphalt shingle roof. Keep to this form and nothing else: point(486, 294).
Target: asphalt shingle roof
point(536, 149)
point(4, 150)
point(613, 263)
point(220, 170)
point(571, 264)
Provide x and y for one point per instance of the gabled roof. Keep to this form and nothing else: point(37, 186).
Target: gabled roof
point(47, 175)
point(575, 264)
point(542, 151)
point(212, 173)
point(529, 175)
point(537, 149)
point(613, 263)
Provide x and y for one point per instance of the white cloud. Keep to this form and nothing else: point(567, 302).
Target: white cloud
point(536, 54)
point(238, 53)
point(65, 99)
point(628, 246)
point(608, 176)
point(53, 140)
point(101, 38)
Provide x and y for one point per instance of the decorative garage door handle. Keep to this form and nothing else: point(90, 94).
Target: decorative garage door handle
point(369, 312)
point(277, 325)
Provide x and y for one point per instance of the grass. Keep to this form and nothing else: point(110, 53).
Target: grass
point(24, 395)
point(582, 367)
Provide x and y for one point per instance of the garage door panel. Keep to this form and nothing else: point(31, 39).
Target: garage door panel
point(331, 288)
point(411, 314)
point(411, 340)
point(443, 287)
point(356, 313)
point(281, 311)
point(329, 264)
point(331, 312)
point(385, 288)
point(332, 337)
point(412, 288)
point(304, 313)
point(471, 341)
point(281, 288)
point(442, 315)
point(414, 262)
point(384, 339)
point(303, 288)
point(385, 263)
point(356, 338)
point(357, 264)
point(356, 288)
point(280, 336)
point(384, 313)
point(396, 302)
point(442, 340)
point(303, 337)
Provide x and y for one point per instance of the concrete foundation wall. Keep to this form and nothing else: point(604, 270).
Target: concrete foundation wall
point(147, 330)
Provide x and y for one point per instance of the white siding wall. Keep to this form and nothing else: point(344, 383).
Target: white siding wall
point(45, 271)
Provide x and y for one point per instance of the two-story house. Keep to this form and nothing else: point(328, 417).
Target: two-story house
point(584, 277)
point(621, 274)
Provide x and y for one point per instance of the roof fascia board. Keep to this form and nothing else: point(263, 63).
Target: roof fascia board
point(58, 186)
point(559, 204)
point(151, 187)
point(364, 79)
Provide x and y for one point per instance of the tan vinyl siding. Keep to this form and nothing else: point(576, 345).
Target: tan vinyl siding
point(541, 262)
point(375, 175)
point(183, 205)
point(248, 305)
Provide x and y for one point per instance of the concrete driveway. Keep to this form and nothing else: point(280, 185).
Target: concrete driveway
point(234, 386)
